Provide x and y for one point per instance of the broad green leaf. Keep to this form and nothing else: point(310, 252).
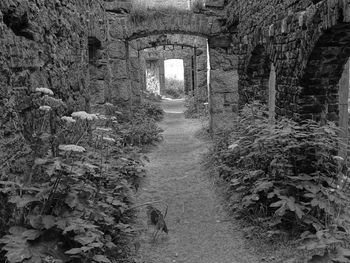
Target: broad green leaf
point(278, 203)
point(72, 200)
point(73, 251)
point(101, 258)
point(17, 230)
point(85, 239)
point(18, 255)
point(23, 201)
point(35, 221)
point(31, 234)
point(263, 186)
point(49, 221)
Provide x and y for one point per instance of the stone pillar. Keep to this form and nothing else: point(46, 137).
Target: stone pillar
point(135, 75)
point(202, 79)
point(188, 75)
point(99, 76)
point(194, 74)
point(344, 86)
point(272, 94)
point(120, 85)
point(223, 93)
point(161, 76)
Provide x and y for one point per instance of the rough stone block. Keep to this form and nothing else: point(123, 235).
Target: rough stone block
point(117, 49)
point(119, 69)
point(97, 92)
point(224, 81)
point(120, 90)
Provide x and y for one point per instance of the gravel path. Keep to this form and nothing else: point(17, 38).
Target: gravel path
point(199, 231)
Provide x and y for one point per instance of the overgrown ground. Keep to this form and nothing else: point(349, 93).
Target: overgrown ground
point(217, 210)
point(286, 184)
point(75, 203)
point(199, 228)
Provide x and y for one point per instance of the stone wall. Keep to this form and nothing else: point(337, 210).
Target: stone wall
point(159, 45)
point(172, 52)
point(180, 4)
point(42, 44)
point(305, 41)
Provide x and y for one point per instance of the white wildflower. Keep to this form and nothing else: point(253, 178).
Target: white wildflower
point(109, 104)
point(104, 129)
point(53, 102)
point(71, 148)
point(68, 119)
point(45, 108)
point(108, 139)
point(233, 146)
point(44, 90)
point(338, 158)
point(102, 117)
point(84, 115)
point(205, 103)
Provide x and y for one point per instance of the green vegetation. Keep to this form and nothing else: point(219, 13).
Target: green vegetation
point(287, 179)
point(195, 110)
point(75, 204)
point(174, 88)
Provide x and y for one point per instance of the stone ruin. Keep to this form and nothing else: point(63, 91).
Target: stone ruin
point(291, 55)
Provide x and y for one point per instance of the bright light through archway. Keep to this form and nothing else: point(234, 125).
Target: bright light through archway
point(174, 69)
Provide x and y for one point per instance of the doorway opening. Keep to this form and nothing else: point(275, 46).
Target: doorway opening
point(174, 73)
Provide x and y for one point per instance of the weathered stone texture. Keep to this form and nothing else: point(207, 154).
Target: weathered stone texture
point(307, 43)
point(181, 4)
point(42, 44)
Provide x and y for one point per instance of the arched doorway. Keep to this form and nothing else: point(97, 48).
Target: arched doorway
point(325, 82)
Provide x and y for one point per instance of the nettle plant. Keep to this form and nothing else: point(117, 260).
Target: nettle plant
point(74, 204)
point(139, 128)
point(288, 177)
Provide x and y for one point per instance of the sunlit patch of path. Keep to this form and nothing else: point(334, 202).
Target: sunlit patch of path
point(199, 231)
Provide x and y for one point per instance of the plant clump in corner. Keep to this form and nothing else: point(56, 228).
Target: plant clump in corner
point(75, 203)
point(288, 179)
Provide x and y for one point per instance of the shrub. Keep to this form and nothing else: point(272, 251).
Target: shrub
point(174, 88)
point(195, 110)
point(287, 176)
point(74, 205)
point(198, 6)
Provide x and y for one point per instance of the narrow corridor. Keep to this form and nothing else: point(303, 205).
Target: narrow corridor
point(198, 231)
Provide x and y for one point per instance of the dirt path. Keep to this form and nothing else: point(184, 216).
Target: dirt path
point(198, 229)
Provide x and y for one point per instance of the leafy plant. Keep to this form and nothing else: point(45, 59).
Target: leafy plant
point(174, 88)
point(195, 110)
point(74, 204)
point(198, 6)
point(287, 176)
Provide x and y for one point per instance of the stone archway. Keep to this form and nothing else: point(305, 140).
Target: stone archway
point(256, 78)
point(320, 81)
point(163, 53)
point(325, 82)
point(196, 60)
point(158, 28)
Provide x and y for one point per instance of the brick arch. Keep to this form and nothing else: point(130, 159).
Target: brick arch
point(322, 72)
point(254, 82)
